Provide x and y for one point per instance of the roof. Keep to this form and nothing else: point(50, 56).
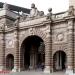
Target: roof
point(16, 8)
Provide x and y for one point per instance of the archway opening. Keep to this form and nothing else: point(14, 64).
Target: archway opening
point(59, 61)
point(10, 62)
point(32, 53)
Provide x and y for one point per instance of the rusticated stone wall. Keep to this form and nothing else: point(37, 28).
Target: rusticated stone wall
point(58, 35)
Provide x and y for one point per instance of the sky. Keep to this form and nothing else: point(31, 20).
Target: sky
point(42, 5)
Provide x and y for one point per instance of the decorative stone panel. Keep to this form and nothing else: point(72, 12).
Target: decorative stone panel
point(36, 32)
point(9, 40)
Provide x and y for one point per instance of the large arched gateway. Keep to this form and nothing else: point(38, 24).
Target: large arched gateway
point(32, 53)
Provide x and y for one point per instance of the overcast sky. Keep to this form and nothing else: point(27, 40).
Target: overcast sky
point(42, 5)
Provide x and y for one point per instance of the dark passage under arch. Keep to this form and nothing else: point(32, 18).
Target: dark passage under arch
point(32, 53)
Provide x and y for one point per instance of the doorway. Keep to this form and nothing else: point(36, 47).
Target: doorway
point(59, 61)
point(10, 62)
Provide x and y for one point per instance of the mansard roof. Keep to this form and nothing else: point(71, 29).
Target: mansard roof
point(16, 8)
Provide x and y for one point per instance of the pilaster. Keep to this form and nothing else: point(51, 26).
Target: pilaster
point(69, 69)
point(17, 56)
point(74, 48)
point(48, 51)
point(2, 51)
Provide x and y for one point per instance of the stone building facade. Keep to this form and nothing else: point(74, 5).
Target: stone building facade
point(33, 41)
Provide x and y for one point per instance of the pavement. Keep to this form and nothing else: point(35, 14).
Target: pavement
point(33, 73)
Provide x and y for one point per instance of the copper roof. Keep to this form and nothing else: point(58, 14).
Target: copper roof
point(16, 8)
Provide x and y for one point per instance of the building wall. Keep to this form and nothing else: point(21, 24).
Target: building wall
point(55, 37)
point(57, 34)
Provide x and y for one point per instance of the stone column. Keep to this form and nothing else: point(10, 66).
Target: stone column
point(70, 47)
point(48, 52)
point(33, 61)
point(33, 58)
point(60, 61)
point(57, 61)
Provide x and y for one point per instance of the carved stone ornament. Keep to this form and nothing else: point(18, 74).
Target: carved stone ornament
point(31, 32)
point(16, 21)
point(34, 12)
point(71, 11)
point(60, 37)
point(49, 15)
point(5, 6)
point(10, 42)
point(41, 13)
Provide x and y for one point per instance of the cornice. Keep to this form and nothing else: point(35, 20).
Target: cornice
point(46, 22)
point(5, 16)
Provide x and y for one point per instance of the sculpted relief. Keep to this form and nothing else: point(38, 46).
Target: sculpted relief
point(34, 12)
point(71, 11)
point(49, 15)
point(9, 41)
point(5, 6)
point(60, 37)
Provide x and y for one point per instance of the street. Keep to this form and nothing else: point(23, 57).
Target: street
point(33, 73)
